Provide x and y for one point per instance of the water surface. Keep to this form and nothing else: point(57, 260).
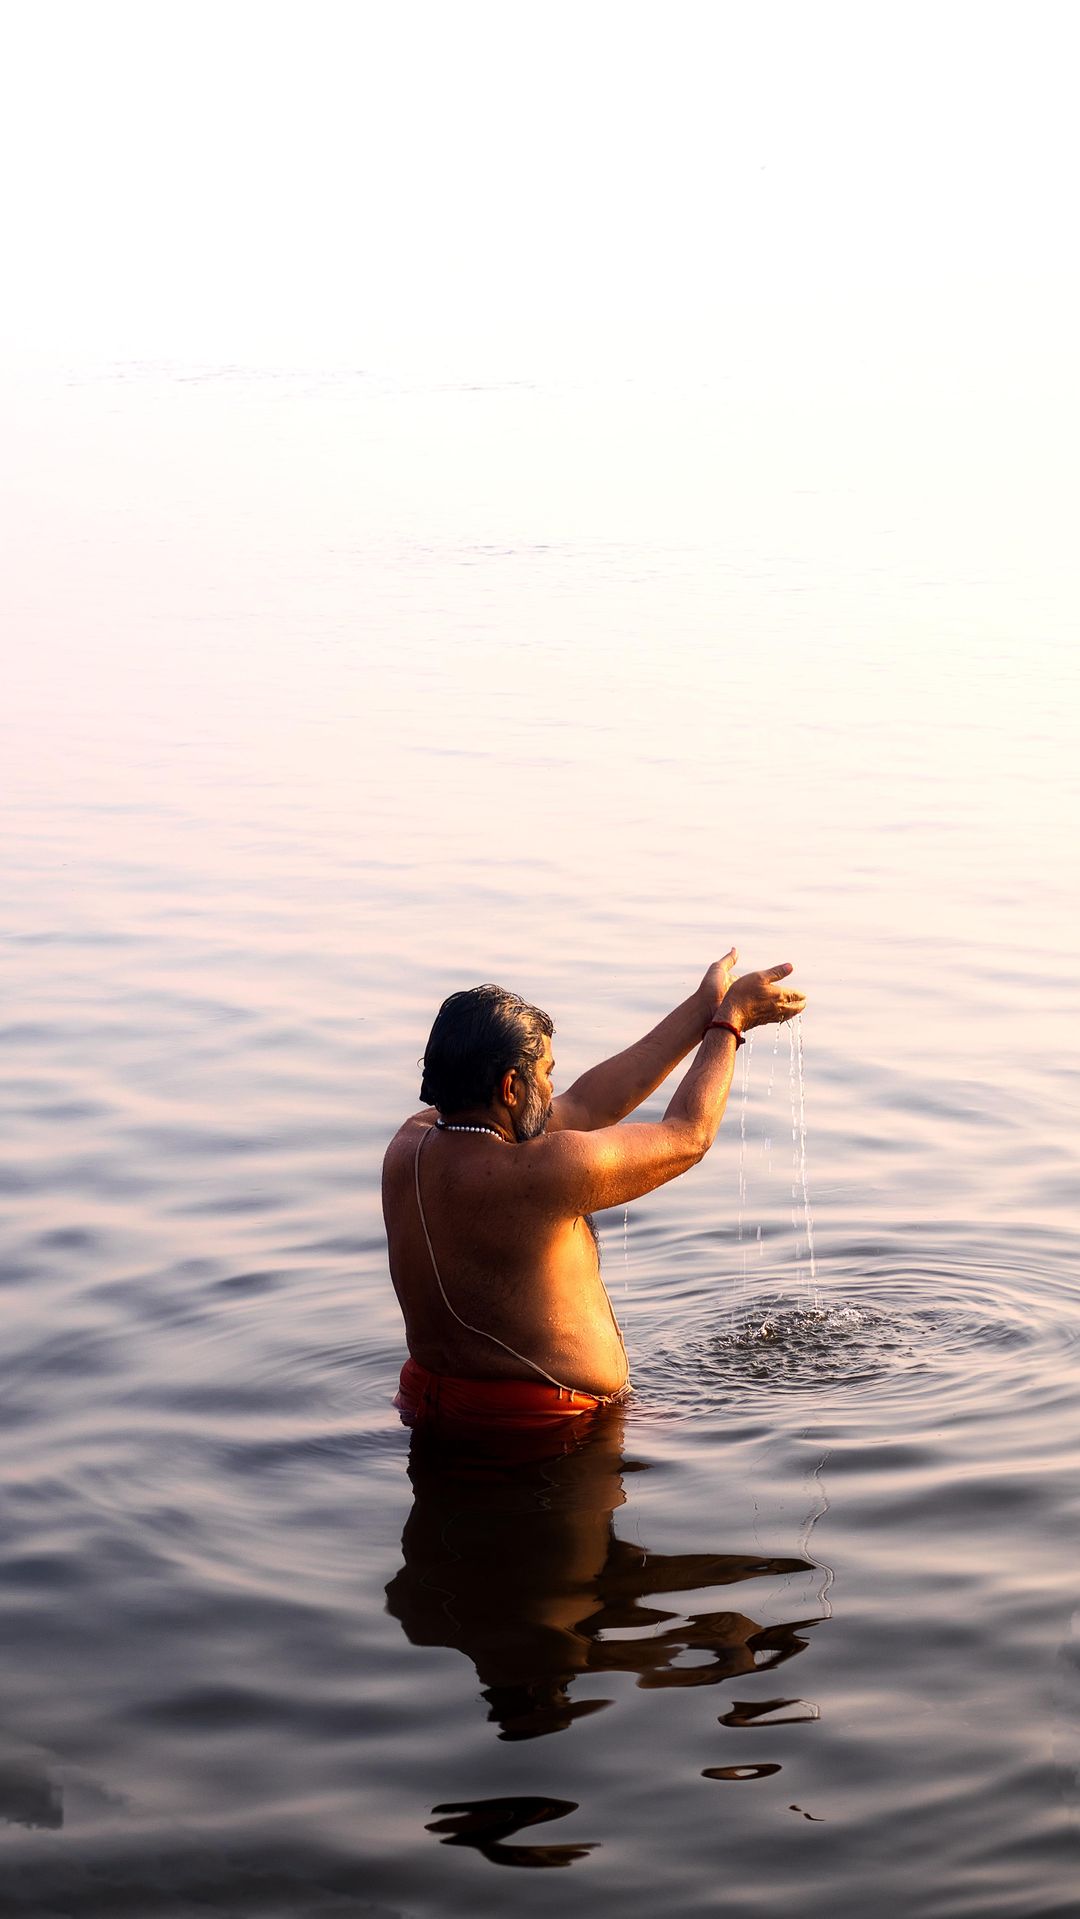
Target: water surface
point(330, 695)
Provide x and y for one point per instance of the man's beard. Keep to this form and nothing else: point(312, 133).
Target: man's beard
point(534, 1115)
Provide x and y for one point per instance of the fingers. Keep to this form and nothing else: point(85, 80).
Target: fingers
point(762, 999)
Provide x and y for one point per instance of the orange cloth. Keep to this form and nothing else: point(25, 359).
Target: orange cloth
point(521, 1402)
point(496, 1414)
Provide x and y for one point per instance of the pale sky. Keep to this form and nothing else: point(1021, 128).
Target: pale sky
point(494, 190)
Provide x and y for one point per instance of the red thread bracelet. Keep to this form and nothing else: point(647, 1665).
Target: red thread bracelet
point(740, 1038)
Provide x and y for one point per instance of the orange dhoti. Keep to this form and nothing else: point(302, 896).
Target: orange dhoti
point(490, 1411)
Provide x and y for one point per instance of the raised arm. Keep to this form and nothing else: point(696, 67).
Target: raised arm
point(609, 1166)
point(606, 1093)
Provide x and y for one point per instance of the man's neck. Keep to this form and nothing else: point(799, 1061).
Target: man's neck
point(477, 1119)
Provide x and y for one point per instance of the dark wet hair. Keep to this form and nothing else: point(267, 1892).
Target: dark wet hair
point(478, 1036)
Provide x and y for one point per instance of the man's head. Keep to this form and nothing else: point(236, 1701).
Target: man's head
point(479, 1038)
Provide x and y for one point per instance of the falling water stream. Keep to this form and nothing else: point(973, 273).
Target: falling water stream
point(795, 1035)
point(802, 1220)
point(744, 1102)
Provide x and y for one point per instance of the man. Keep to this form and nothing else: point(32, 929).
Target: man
point(487, 1193)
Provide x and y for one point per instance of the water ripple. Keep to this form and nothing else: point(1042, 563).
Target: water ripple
point(916, 1332)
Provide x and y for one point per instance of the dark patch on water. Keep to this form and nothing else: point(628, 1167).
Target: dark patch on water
point(486, 1824)
point(269, 1455)
point(156, 1877)
point(29, 1797)
point(344, 1243)
point(17, 1272)
point(770, 1712)
point(250, 1283)
point(207, 1708)
point(68, 1109)
point(69, 1239)
point(230, 1204)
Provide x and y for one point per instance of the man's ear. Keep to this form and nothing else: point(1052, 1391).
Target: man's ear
point(507, 1089)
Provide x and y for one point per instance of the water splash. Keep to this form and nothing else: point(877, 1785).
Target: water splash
point(782, 1343)
point(778, 1345)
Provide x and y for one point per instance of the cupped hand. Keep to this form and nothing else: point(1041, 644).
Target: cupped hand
point(762, 999)
point(716, 982)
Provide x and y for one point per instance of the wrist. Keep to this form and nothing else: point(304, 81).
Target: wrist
point(702, 1006)
point(719, 1025)
point(729, 1011)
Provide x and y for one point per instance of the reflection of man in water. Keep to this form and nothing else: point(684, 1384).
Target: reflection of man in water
point(522, 1572)
point(487, 1193)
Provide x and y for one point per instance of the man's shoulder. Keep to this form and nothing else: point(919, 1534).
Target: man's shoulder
point(408, 1136)
point(539, 1161)
point(552, 1164)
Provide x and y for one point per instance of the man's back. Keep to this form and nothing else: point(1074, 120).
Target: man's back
point(513, 1260)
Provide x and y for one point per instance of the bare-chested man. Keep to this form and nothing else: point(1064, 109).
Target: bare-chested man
point(487, 1192)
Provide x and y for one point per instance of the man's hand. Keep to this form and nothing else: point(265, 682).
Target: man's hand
point(759, 999)
point(715, 985)
point(594, 1162)
point(605, 1094)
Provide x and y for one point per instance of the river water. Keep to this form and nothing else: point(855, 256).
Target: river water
point(325, 695)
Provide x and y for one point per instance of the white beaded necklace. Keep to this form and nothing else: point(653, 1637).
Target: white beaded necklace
point(445, 1126)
